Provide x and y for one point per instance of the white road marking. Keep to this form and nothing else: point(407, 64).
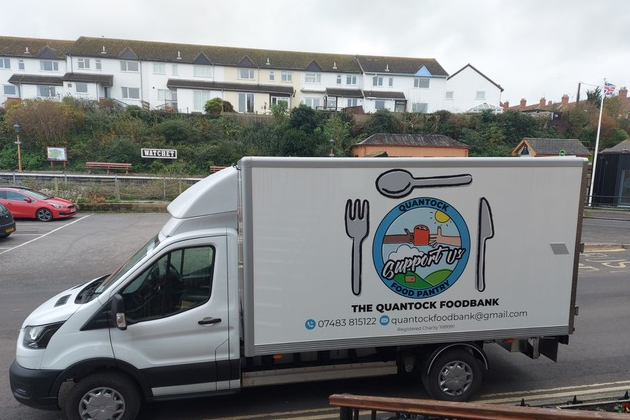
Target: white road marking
point(45, 234)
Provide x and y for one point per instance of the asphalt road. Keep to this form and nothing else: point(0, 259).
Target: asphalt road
point(42, 259)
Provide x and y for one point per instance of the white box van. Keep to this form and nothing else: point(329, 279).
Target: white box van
point(281, 270)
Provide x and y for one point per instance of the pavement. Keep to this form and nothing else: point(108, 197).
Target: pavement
point(606, 229)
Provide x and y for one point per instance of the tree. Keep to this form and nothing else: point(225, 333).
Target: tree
point(44, 122)
point(337, 130)
point(214, 106)
point(382, 121)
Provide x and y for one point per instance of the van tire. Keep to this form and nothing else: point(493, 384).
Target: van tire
point(103, 396)
point(455, 375)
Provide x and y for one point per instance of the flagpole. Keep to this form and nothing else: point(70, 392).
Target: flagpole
point(599, 126)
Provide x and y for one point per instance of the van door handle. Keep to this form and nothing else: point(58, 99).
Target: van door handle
point(209, 320)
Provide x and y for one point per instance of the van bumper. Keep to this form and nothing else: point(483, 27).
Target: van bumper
point(34, 388)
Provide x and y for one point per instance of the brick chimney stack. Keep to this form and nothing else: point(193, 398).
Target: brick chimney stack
point(523, 103)
point(623, 92)
point(542, 102)
point(565, 100)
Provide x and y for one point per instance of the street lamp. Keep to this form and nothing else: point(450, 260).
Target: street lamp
point(16, 127)
point(332, 145)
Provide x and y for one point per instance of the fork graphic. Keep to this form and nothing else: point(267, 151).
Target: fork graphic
point(357, 228)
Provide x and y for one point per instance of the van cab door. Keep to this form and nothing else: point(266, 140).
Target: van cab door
point(176, 308)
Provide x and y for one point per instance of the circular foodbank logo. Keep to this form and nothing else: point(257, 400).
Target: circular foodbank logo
point(421, 247)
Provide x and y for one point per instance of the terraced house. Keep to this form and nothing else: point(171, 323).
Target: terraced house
point(183, 77)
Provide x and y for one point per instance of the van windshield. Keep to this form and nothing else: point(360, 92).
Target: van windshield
point(144, 251)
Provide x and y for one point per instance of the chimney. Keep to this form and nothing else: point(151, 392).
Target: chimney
point(523, 103)
point(542, 102)
point(506, 105)
point(565, 100)
point(623, 92)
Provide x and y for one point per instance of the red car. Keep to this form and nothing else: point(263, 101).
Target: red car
point(30, 204)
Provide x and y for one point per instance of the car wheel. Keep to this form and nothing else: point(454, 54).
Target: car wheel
point(44, 215)
point(103, 395)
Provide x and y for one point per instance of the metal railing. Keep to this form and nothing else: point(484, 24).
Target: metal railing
point(88, 188)
point(407, 408)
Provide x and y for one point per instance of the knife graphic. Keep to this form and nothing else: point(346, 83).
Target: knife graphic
point(486, 231)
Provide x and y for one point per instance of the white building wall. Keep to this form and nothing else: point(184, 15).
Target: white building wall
point(465, 86)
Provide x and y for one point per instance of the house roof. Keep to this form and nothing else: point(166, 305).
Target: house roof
point(383, 95)
point(344, 93)
point(33, 47)
point(240, 87)
point(401, 65)
point(34, 79)
point(103, 79)
point(623, 147)
point(426, 140)
point(551, 147)
point(470, 66)
point(223, 56)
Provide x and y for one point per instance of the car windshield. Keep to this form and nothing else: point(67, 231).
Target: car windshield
point(144, 251)
point(38, 195)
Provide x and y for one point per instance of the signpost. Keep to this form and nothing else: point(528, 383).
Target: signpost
point(158, 153)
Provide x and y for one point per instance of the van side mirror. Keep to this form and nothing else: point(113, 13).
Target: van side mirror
point(118, 311)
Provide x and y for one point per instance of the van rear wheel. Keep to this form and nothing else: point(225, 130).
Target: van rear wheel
point(103, 396)
point(455, 375)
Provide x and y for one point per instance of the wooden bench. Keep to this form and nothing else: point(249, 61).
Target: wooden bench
point(216, 168)
point(108, 165)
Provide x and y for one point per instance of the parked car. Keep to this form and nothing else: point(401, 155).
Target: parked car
point(7, 224)
point(31, 204)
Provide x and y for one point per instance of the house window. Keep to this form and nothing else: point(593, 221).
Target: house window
point(351, 80)
point(276, 99)
point(167, 95)
point(246, 74)
point(245, 102)
point(200, 97)
point(46, 91)
point(480, 95)
point(391, 81)
point(312, 78)
point(312, 102)
point(174, 70)
point(131, 66)
point(130, 93)
point(377, 81)
point(286, 76)
point(449, 94)
point(83, 63)
point(202, 71)
point(272, 75)
point(48, 65)
point(159, 68)
point(9, 90)
point(81, 87)
point(331, 103)
point(97, 64)
point(5, 63)
point(421, 82)
point(353, 102)
point(419, 107)
point(379, 104)
point(338, 79)
point(21, 64)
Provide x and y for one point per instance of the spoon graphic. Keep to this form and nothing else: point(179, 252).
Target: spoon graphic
point(398, 183)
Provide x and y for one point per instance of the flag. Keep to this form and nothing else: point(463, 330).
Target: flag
point(609, 89)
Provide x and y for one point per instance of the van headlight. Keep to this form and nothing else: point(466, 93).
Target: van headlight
point(38, 336)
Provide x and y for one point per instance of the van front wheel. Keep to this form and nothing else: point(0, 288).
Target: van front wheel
point(103, 396)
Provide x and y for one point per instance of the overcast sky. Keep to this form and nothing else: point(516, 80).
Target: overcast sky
point(531, 48)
